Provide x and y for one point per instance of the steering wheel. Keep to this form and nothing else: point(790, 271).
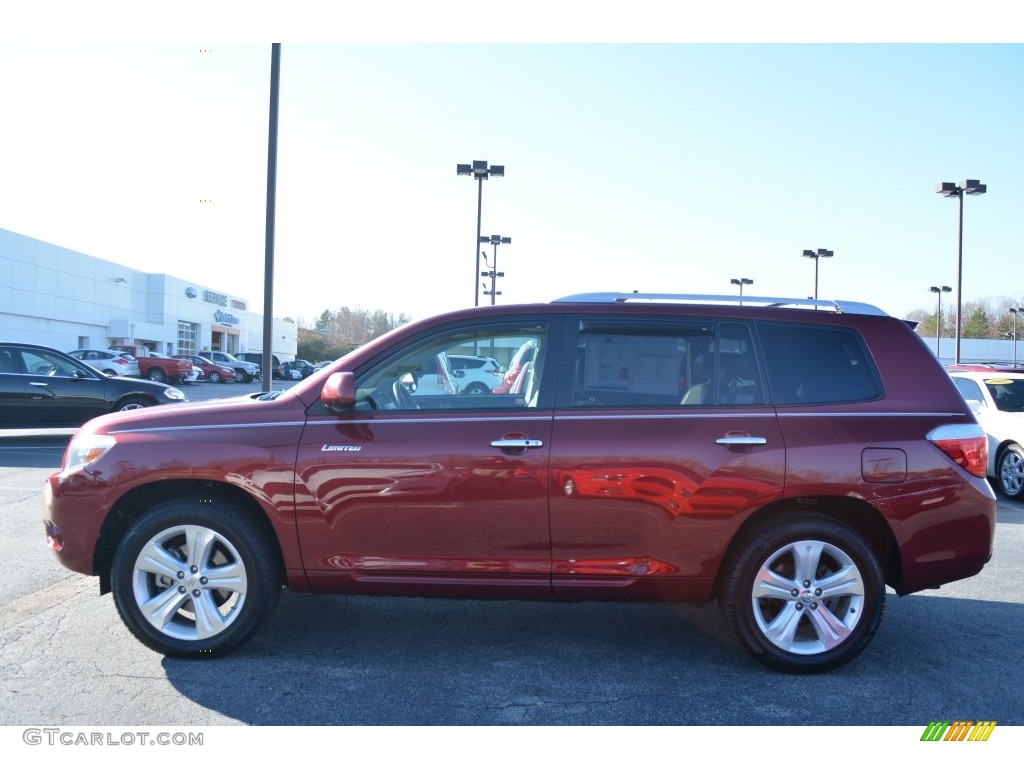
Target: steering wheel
point(403, 397)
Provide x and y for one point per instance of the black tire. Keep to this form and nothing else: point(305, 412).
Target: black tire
point(776, 594)
point(156, 374)
point(1010, 472)
point(476, 388)
point(241, 376)
point(214, 377)
point(110, 372)
point(152, 568)
point(132, 404)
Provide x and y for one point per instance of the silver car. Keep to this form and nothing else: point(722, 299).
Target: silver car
point(108, 361)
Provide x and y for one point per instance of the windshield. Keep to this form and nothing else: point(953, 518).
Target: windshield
point(1008, 394)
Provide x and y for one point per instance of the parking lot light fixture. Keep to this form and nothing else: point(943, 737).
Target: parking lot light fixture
point(479, 170)
point(949, 189)
point(493, 272)
point(938, 291)
point(821, 253)
point(741, 281)
point(1014, 311)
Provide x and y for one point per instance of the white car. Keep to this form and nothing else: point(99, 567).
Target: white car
point(476, 375)
point(112, 362)
point(997, 399)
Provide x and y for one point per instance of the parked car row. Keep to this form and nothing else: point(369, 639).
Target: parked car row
point(214, 367)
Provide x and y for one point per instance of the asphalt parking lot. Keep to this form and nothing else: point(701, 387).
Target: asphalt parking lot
point(66, 658)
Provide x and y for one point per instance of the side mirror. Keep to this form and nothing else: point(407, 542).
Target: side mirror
point(339, 392)
point(459, 374)
point(975, 406)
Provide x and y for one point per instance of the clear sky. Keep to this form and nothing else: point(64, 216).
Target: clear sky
point(650, 165)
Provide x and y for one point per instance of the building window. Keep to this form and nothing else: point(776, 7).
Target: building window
point(188, 334)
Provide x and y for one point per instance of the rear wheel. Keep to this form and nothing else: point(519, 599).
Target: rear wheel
point(805, 595)
point(1010, 472)
point(156, 374)
point(194, 578)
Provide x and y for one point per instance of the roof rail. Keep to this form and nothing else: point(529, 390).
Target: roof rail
point(848, 307)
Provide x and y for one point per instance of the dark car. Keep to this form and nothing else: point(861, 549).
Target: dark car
point(297, 369)
point(42, 387)
point(215, 373)
point(257, 358)
point(786, 458)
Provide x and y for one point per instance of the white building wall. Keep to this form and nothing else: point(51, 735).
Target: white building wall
point(65, 299)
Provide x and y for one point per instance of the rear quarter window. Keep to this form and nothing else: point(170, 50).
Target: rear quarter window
point(814, 365)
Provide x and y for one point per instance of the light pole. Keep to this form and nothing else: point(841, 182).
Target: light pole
point(493, 272)
point(949, 189)
point(1014, 311)
point(480, 171)
point(821, 253)
point(741, 282)
point(938, 291)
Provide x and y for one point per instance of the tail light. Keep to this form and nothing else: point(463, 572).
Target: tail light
point(965, 444)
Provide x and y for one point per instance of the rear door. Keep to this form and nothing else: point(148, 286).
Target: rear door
point(663, 442)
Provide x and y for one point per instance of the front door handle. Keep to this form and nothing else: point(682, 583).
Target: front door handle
point(741, 440)
point(516, 443)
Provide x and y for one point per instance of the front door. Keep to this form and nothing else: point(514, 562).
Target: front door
point(417, 492)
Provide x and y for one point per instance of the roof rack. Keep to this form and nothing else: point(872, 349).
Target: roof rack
point(847, 307)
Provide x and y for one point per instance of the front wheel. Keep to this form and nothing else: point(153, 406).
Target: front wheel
point(132, 404)
point(804, 595)
point(194, 578)
point(156, 374)
point(214, 378)
point(1010, 472)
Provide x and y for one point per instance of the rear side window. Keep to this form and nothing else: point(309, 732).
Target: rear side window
point(671, 364)
point(812, 365)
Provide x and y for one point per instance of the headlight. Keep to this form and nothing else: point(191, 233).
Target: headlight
point(173, 393)
point(84, 450)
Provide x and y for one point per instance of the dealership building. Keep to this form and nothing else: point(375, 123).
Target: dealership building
point(68, 300)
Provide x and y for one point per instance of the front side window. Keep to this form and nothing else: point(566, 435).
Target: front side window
point(424, 376)
point(969, 389)
point(43, 363)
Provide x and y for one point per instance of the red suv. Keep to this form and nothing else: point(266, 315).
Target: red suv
point(788, 461)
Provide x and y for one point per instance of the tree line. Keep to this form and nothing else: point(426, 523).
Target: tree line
point(336, 333)
point(982, 319)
